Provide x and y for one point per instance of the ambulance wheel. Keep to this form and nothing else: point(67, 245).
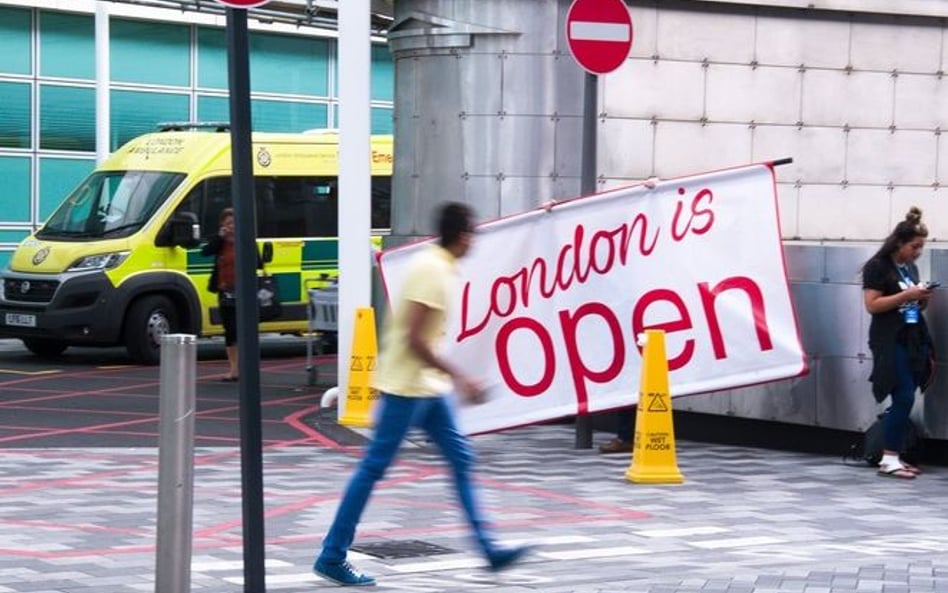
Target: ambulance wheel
point(147, 320)
point(45, 348)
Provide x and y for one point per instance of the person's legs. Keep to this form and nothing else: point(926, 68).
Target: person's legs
point(228, 311)
point(439, 423)
point(896, 417)
point(622, 443)
point(393, 422)
point(232, 360)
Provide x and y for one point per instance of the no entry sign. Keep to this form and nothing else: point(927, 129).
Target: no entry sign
point(243, 3)
point(599, 33)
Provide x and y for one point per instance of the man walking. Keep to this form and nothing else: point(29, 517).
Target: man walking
point(414, 382)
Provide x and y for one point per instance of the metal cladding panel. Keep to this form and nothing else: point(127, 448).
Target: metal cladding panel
point(830, 318)
point(935, 404)
point(844, 395)
point(682, 148)
point(805, 263)
point(921, 101)
point(942, 160)
point(686, 35)
point(630, 153)
point(790, 400)
point(644, 30)
point(523, 26)
point(807, 40)
point(718, 403)
point(936, 397)
point(567, 150)
point(476, 146)
point(763, 95)
point(788, 201)
point(934, 205)
point(838, 213)
point(907, 47)
point(483, 72)
point(818, 153)
point(856, 99)
point(662, 89)
point(881, 157)
point(519, 194)
point(844, 263)
point(517, 142)
point(530, 86)
point(483, 193)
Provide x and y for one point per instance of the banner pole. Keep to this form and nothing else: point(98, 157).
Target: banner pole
point(587, 186)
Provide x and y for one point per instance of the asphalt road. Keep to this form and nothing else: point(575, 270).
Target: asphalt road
point(92, 397)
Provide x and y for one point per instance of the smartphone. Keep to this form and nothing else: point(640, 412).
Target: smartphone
point(932, 284)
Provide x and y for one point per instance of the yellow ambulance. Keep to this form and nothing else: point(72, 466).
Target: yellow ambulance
point(119, 262)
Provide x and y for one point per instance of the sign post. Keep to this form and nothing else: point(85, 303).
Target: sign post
point(245, 247)
point(599, 35)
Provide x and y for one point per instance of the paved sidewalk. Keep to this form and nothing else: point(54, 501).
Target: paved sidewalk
point(744, 521)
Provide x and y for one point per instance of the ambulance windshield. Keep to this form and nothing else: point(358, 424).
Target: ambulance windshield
point(110, 204)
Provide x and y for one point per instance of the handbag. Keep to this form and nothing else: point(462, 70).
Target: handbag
point(268, 299)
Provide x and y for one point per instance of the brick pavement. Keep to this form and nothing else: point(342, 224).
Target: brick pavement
point(744, 521)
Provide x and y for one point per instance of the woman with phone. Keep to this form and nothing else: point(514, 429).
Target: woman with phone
point(898, 334)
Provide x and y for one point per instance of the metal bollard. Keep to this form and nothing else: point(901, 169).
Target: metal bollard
point(175, 463)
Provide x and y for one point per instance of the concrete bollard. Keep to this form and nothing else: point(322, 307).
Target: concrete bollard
point(176, 463)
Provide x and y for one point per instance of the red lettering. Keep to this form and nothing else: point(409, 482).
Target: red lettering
point(709, 296)
point(502, 349)
point(683, 322)
point(574, 262)
point(580, 372)
point(696, 215)
point(705, 214)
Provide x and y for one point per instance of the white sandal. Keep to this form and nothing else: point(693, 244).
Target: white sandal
point(895, 470)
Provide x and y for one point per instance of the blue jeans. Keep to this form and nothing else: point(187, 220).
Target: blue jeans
point(396, 415)
point(903, 398)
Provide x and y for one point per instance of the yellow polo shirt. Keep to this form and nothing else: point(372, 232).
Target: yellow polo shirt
point(430, 280)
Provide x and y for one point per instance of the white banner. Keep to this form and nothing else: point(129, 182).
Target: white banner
point(550, 302)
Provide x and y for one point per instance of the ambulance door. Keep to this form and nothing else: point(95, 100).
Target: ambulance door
point(297, 216)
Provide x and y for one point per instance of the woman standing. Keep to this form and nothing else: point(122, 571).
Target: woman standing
point(223, 281)
point(898, 335)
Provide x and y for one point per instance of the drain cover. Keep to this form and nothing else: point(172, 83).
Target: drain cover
point(412, 548)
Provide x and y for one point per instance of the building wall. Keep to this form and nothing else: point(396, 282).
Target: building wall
point(161, 70)
point(858, 100)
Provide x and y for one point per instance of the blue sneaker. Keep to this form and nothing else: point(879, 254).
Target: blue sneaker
point(506, 557)
point(342, 574)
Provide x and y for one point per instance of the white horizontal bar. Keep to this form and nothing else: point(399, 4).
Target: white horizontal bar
point(592, 31)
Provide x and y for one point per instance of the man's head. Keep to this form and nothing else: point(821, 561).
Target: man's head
point(455, 227)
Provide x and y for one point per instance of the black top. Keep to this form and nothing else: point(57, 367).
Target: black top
point(888, 328)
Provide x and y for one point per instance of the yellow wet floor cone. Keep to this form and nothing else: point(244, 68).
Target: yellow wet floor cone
point(360, 396)
point(653, 450)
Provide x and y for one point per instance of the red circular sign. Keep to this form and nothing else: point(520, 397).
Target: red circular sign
point(243, 3)
point(599, 33)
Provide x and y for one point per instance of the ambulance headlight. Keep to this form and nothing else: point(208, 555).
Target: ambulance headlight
point(104, 261)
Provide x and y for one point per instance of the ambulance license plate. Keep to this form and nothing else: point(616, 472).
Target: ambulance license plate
point(20, 319)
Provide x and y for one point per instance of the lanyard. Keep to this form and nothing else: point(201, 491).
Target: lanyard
point(906, 277)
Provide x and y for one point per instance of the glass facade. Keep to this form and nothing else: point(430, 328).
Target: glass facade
point(160, 71)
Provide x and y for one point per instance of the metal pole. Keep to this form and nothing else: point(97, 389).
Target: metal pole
point(102, 76)
point(587, 185)
point(355, 178)
point(248, 339)
point(175, 464)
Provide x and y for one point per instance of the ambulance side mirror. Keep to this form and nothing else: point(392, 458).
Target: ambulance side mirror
point(181, 230)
